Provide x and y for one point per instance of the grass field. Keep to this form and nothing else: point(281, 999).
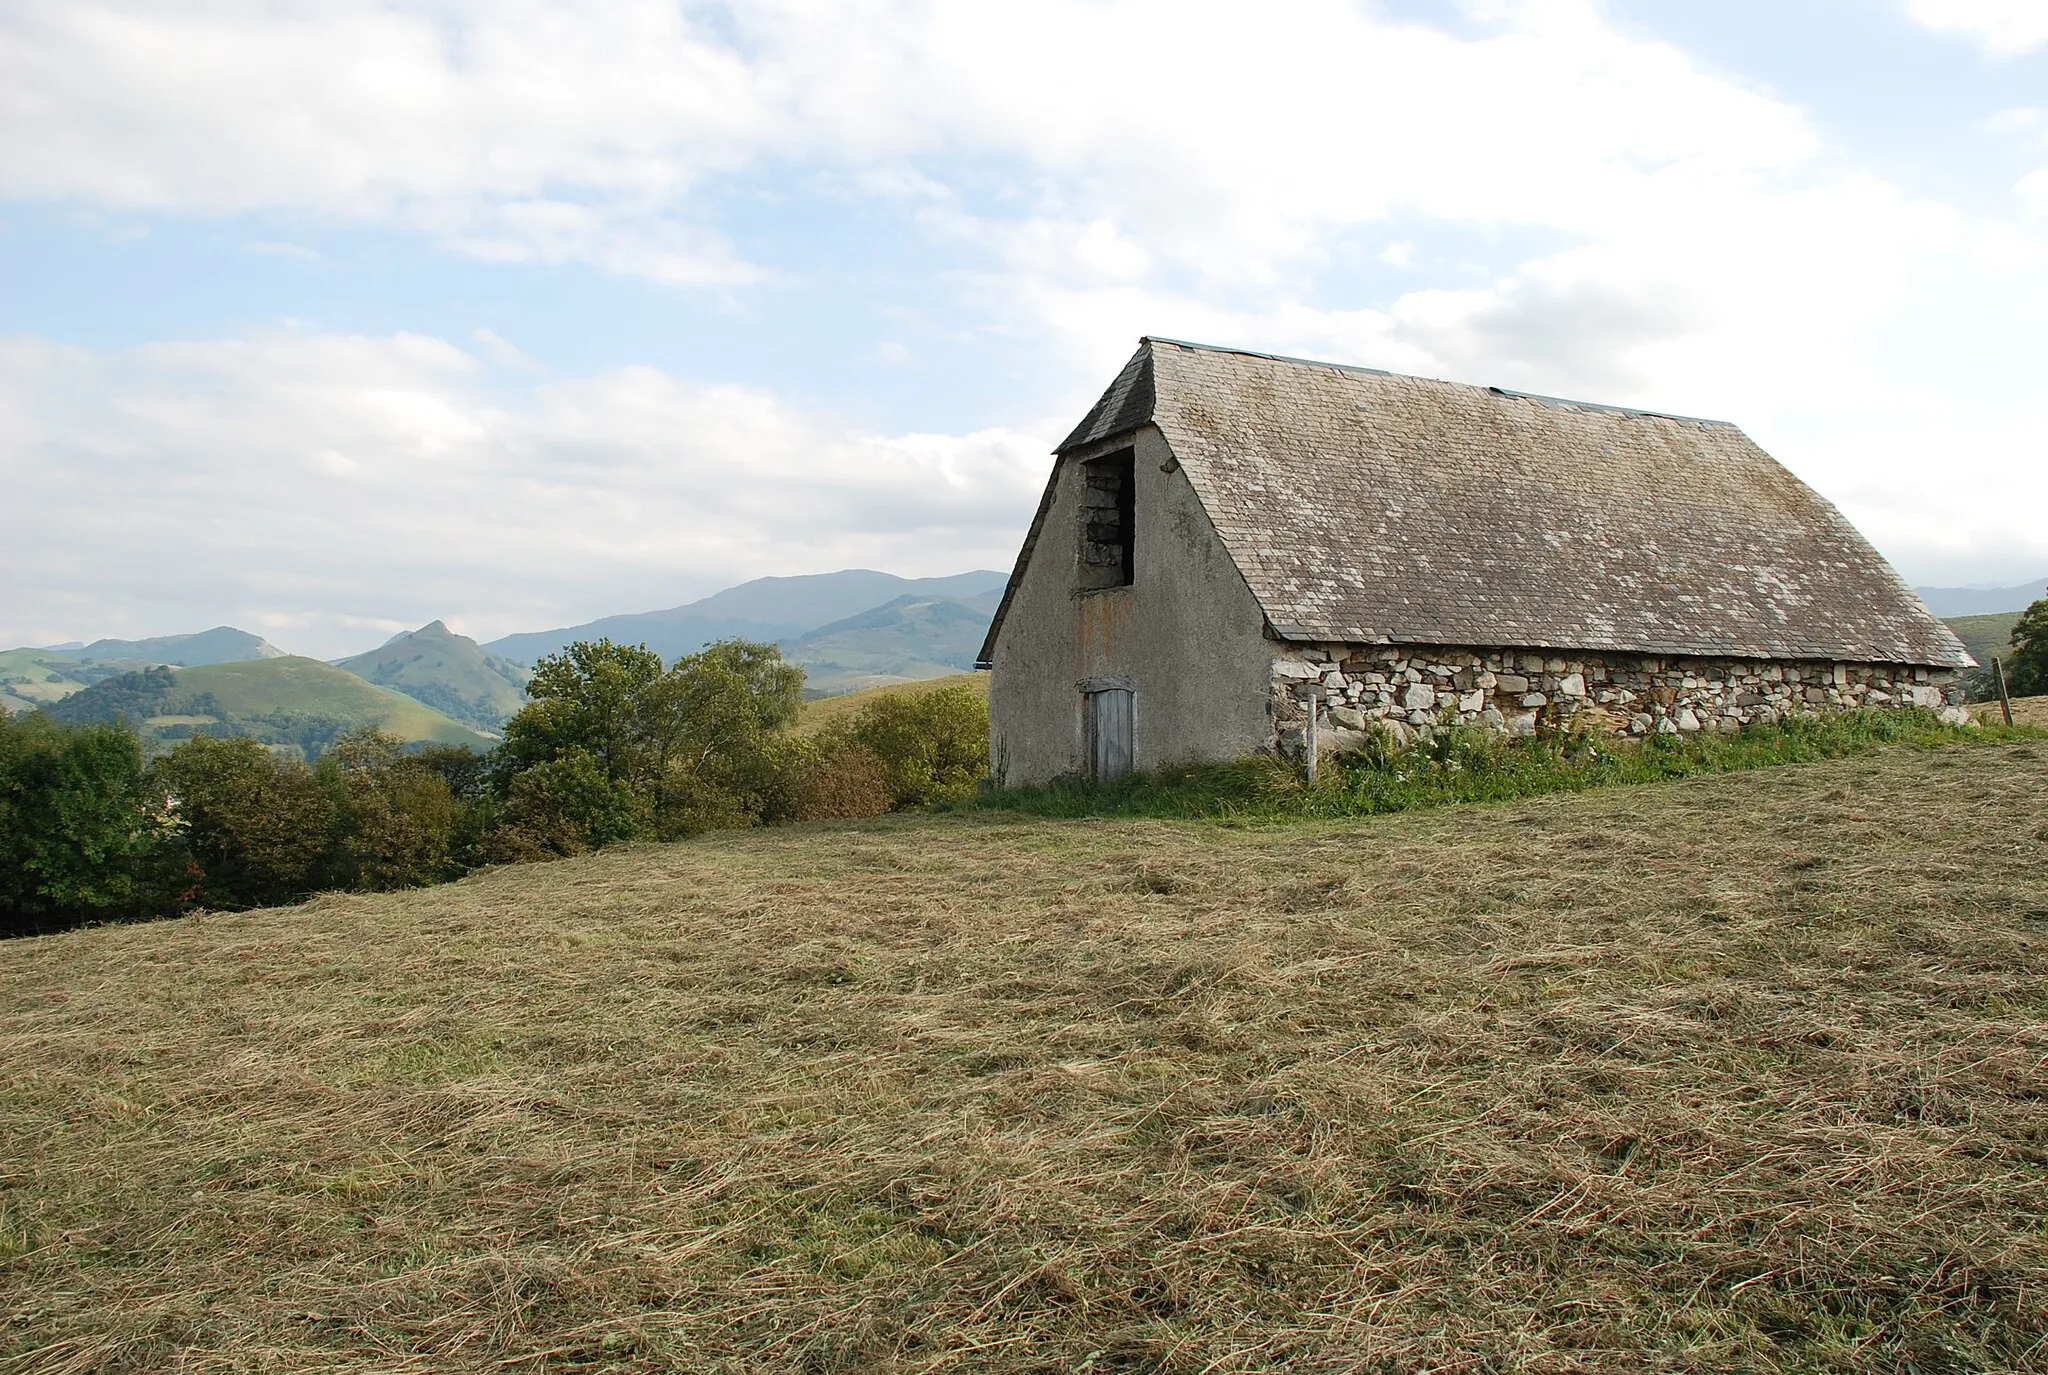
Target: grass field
point(819, 714)
point(2026, 711)
point(259, 686)
point(1737, 1073)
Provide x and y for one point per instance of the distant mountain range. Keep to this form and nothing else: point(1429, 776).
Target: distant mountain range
point(909, 638)
point(1946, 602)
point(771, 610)
point(853, 629)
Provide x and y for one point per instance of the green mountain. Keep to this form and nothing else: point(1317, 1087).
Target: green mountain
point(766, 609)
point(30, 678)
point(908, 639)
point(1984, 636)
point(292, 703)
point(221, 645)
point(451, 673)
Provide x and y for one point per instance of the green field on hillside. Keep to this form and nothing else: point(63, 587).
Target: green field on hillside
point(819, 714)
point(290, 701)
point(1985, 636)
point(1738, 1073)
point(29, 678)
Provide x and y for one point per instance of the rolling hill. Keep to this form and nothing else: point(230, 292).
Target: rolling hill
point(1742, 1073)
point(766, 609)
point(31, 677)
point(903, 640)
point(291, 702)
point(823, 712)
point(1984, 636)
point(451, 673)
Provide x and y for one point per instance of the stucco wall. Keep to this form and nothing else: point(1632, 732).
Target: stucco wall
point(1186, 634)
point(1416, 688)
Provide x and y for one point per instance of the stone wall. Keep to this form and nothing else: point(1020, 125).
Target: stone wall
point(1411, 690)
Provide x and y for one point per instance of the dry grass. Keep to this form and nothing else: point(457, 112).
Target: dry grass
point(1741, 1073)
point(828, 710)
point(2026, 711)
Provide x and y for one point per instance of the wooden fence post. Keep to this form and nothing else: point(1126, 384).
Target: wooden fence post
point(1311, 697)
point(2004, 697)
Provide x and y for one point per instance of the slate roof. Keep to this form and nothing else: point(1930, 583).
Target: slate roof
point(1365, 506)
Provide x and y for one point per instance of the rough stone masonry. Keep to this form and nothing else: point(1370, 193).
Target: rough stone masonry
point(1411, 691)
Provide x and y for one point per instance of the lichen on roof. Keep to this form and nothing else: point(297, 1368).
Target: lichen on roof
point(1366, 506)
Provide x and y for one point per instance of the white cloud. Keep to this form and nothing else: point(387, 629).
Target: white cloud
point(538, 131)
point(1595, 214)
point(2004, 28)
point(322, 485)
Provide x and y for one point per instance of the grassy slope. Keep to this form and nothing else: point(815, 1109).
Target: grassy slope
point(2026, 711)
point(1743, 1072)
point(46, 675)
point(1985, 636)
point(823, 712)
point(308, 686)
point(443, 669)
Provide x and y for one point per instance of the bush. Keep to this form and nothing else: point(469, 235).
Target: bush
point(562, 806)
point(83, 834)
point(933, 746)
point(679, 750)
point(259, 827)
point(398, 817)
point(842, 781)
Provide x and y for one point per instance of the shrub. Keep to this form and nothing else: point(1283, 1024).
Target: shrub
point(692, 747)
point(842, 780)
point(562, 806)
point(398, 817)
point(933, 746)
point(83, 834)
point(259, 827)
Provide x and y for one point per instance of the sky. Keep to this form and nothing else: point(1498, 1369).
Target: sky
point(329, 319)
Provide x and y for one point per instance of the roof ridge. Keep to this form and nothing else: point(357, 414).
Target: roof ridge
point(1539, 398)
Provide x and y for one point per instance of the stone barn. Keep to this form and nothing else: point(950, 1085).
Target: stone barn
point(1240, 554)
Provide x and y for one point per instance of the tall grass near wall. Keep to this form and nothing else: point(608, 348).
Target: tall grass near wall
point(1470, 765)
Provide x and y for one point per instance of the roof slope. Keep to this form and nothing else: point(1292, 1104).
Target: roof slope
point(1366, 506)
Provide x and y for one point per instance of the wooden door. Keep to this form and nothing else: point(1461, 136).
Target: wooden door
point(1111, 733)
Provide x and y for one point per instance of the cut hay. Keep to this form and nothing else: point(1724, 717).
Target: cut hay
point(1738, 1073)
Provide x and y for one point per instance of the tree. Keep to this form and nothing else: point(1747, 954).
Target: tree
point(590, 697)
point(83, 836)
point(676, 750)
point(398, 817)
point(710, 727)
point(259, 826)
point(2026, 672)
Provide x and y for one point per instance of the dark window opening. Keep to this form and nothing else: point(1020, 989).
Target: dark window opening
point(1109, 501)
